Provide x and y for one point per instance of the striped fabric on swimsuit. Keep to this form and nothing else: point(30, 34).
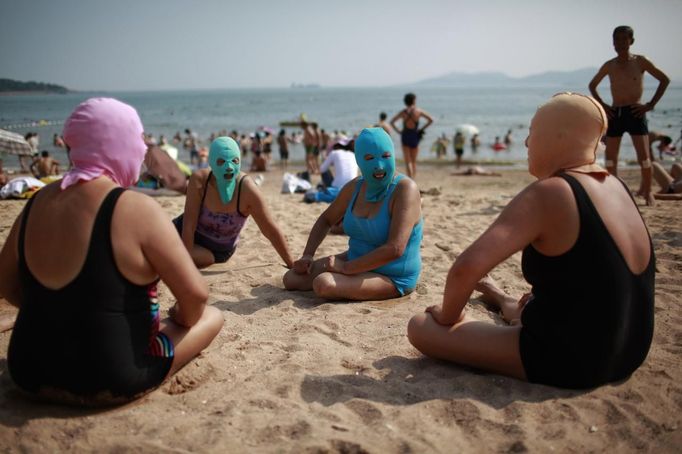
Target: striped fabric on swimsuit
point(159, 343)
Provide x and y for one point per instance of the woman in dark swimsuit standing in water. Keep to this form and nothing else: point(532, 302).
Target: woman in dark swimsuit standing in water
point(411, 133)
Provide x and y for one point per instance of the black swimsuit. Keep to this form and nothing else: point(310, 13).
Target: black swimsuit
point(591, 319)
point(93, 339)
point(410, 137)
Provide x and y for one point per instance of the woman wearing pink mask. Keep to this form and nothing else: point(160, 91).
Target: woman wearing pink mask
point(586, 253)
point(88, 329)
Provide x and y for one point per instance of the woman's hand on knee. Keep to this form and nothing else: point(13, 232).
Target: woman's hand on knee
point(439, 317)
point(303, 265)
point(334, 264)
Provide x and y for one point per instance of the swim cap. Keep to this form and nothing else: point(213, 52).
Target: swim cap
point(225, 149)
point(104, 137)
point(379, 170)
point(565, 134)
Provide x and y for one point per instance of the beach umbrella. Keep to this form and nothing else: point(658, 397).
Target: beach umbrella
point(467, 129)
point(13, 143)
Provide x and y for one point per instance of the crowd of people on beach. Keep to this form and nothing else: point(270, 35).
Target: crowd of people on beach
point(97, 305)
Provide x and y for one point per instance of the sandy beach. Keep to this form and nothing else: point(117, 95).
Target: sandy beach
point(293, 373)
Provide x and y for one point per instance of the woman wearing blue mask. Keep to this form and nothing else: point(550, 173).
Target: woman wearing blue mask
point(219, 201)
point(381, 213)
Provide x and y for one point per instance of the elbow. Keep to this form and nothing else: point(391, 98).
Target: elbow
point(395, 251)
point(193, 307)
point(461, 269)
point(199, 295)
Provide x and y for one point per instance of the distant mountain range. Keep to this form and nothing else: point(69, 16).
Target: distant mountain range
point(577, 78)
point(17, 86)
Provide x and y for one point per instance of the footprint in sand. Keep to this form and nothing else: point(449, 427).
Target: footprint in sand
point(366, 411)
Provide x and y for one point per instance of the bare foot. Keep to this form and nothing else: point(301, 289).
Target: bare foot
point(491, 294)
point(649, 199)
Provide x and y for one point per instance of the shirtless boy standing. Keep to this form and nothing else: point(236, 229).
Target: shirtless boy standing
point(628, 114)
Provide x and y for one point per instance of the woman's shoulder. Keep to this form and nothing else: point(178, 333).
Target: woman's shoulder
point(201, 174)
point(198, 179)
point(135, 201)
point(405, 183)
point(551, 190)
point(246, 185)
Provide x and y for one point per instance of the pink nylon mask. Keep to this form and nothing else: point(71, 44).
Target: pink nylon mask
point(104, 136)
point(565, 134)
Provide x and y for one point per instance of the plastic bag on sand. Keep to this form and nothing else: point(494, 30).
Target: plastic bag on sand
point(291, 183)
point(18, 186)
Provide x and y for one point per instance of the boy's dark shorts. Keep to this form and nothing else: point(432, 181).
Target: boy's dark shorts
point(625, 121)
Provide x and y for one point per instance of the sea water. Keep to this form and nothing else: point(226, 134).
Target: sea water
point(493, 111)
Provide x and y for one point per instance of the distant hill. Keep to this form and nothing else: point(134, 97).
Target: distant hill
point(9, 85)
point(498, 79)
point(577, 78)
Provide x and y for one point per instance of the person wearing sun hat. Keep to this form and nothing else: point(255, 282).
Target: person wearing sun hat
point(82, 266)
point(219, 201)
point(381, 213)
point(587, 255)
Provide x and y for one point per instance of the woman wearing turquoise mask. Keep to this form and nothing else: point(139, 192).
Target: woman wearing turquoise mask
point(381, 212)
point(219, 201)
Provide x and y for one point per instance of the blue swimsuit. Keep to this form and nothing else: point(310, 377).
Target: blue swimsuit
point(367, 234)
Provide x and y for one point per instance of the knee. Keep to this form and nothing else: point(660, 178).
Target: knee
point(416, 329)
point(213, 320)
point(324, 285)
point(289, 280)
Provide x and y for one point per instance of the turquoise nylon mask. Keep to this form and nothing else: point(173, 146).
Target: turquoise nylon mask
point(375, 142)
point(225, 149)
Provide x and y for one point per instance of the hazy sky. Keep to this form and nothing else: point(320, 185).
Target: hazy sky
point(183, 44)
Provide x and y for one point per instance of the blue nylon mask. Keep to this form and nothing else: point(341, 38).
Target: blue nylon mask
point(225, 149)
point(375, 142)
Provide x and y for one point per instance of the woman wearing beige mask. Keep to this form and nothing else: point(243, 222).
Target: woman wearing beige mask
point(586, 253)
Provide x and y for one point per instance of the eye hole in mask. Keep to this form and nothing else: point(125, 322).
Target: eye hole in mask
point(220, 162)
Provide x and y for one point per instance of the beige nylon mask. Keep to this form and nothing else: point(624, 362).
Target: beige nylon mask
point(565, 134)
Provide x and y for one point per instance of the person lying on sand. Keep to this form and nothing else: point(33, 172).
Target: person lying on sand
point(476, 170)
point(88, 329)
point(586, 253)
point(381, 213)
point(219, 201)
point(671, 183)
